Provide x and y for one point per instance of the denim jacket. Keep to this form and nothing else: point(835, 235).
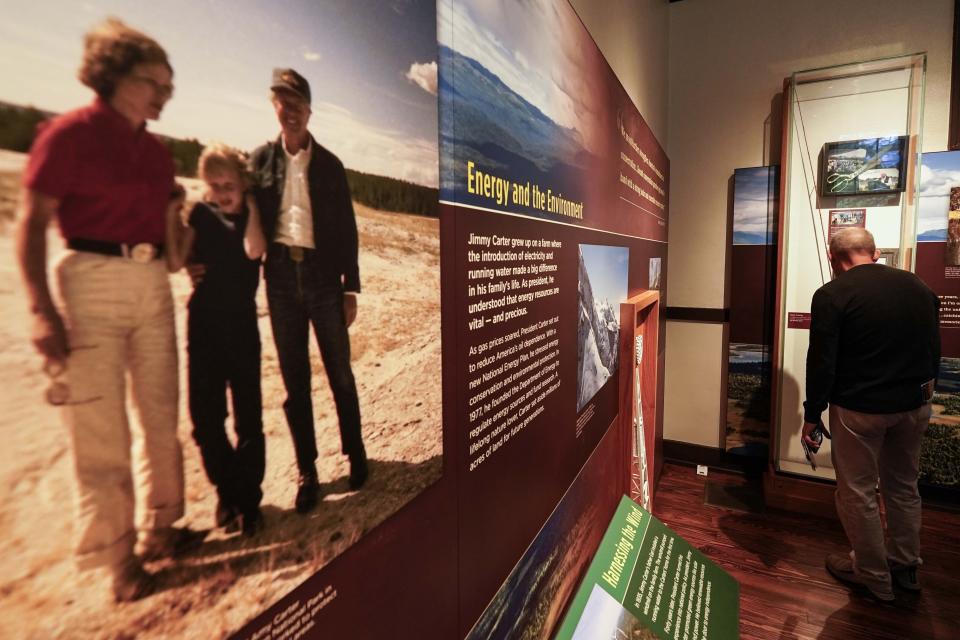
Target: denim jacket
point(334, 223)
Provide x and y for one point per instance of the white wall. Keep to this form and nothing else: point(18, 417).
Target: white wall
point(632, 34)
point(694, 369)
point(727, 63)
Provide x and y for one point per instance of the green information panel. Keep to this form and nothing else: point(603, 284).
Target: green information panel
point(647, 583)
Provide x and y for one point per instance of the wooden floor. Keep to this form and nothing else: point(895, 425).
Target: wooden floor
point(785, 592)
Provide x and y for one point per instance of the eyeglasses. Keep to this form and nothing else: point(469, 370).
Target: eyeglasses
point(162, 90)
point(58, 393)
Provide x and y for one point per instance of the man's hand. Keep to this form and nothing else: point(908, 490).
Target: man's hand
point(349, 308)
point(808, 428)
point(177, 195)
point(196, 272)
point(49, 335)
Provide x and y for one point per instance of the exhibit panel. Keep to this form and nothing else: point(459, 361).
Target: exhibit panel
point(647, 583)
point(938, 264)
point(753, 259)
point(375, 111)
point(852, 134)
point(557, 192)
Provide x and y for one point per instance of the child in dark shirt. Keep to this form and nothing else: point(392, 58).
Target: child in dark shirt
point(223, 234)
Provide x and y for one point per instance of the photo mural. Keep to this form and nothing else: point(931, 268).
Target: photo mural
point(221, 89)
point(557, 192)
point(752, 274)
point(453, 199)
point(937, 242)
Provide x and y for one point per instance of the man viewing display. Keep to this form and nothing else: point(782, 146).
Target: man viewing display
point(873, 356)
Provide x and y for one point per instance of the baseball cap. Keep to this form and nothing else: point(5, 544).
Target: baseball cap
point(290, 80)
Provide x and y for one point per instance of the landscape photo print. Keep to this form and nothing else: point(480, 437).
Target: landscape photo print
point(603, 272)
point(368, 74)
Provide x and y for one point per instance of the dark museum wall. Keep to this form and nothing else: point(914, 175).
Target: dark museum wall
point(633, 36)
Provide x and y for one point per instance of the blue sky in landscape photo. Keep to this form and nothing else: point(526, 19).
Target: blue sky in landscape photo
point(601, 617)
point(938, 173)
point(754, 207)
point(608, 271)
point(371, 66)
point(545, 66)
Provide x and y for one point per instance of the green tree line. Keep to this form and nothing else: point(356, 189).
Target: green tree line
point(389, 194)
point(18, 127)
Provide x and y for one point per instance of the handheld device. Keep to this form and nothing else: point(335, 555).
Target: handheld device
point(817, 436)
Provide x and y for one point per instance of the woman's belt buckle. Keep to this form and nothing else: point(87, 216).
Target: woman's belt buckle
point(296, 253)
point(143, 252)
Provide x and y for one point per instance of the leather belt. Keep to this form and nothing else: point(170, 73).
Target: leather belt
point(297, 254)
point(141, 252)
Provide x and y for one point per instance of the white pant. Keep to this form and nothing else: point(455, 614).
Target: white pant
point(886, 447)
point(120, 322)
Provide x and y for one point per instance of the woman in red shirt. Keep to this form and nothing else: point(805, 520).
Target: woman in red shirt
point(108, 183)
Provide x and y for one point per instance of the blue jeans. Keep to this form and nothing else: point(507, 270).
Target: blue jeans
point(301, 294)
point(223, 347)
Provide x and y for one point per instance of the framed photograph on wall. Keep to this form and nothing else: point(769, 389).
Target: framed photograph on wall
point(889, 257)
point(845, 218)
point(868, 166)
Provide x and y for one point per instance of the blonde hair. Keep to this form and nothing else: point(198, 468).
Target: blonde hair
point(111, 50)
point(217, 157)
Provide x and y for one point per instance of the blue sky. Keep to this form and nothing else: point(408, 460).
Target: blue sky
point(938, 173)
point(753, 211)
point(601, 616)
point(607, 268)
point(536, 48)
point(371, 65)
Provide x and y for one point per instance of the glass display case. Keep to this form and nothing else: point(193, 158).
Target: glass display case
point(850, 158)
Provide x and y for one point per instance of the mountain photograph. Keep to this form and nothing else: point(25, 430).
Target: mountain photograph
point(602, 287)
point(499, 130)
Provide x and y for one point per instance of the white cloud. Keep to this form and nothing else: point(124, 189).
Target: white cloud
point(360, 145)
point(751, 215)
point(461, 32)
point(373, 149)
point(424, 75)
point(553, 70)
point(938, 182)
point(933, 213)
point(521, 60)
point(400, 6)
point(311, 56)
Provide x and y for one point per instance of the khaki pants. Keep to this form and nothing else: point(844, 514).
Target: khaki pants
point(119, 317)
point(866, 447)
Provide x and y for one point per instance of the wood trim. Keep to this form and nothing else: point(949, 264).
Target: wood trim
point(782, 490)
point(953, 138)
point(775, 360)
point(698, 314)
point(685, 453)
point(724, 385)
point(791, 493)
point(640, 315)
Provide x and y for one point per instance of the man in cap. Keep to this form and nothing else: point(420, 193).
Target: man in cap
point(311, 274)
point(874, 352)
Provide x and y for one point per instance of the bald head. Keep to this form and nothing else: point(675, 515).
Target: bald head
point(851, 247)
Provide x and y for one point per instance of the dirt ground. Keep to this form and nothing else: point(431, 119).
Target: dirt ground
point(396, 354)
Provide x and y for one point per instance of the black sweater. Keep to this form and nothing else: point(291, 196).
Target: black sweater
point(874, 339)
